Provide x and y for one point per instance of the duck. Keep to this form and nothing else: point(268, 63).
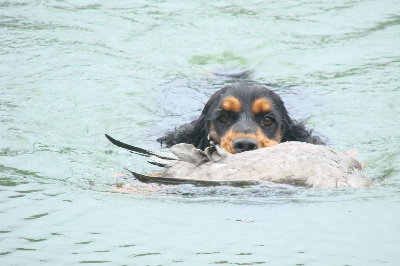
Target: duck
point(294, 163)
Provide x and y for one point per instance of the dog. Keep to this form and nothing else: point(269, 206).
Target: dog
point(241, 117)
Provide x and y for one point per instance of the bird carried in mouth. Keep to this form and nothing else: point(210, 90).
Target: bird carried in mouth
point(294, 163)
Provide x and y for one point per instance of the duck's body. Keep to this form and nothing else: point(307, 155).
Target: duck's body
point(295, 163)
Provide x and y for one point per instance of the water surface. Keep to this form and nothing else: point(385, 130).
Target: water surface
point(71, 71)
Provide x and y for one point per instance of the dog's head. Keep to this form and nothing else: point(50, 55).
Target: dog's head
point(246, 117)
point(241, 117)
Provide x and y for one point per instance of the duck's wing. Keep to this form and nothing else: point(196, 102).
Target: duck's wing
point(178, 181)
point(161, 162)
point(143, 152)
point(215, 152)
point(188, 153)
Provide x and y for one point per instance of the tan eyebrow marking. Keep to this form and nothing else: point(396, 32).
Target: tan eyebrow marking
point(261, 105)
point(231, 104)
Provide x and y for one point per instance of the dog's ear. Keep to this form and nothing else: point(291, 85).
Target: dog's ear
point(297, 131)
point(194, 133)
point(293, 130)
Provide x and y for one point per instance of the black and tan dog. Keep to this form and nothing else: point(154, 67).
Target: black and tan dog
point(244, 117)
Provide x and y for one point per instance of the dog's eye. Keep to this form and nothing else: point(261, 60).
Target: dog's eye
point(267, 121)
point(224, 118)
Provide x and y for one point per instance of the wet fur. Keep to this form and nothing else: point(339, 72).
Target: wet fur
point(196, 132)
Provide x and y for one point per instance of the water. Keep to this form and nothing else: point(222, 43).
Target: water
point(71, 71)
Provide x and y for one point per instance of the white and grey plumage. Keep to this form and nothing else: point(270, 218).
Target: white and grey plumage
point(294, 163)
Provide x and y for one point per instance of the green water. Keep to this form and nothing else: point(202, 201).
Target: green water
point(71, 71)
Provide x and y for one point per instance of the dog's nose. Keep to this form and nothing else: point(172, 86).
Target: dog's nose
point(244, 144)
